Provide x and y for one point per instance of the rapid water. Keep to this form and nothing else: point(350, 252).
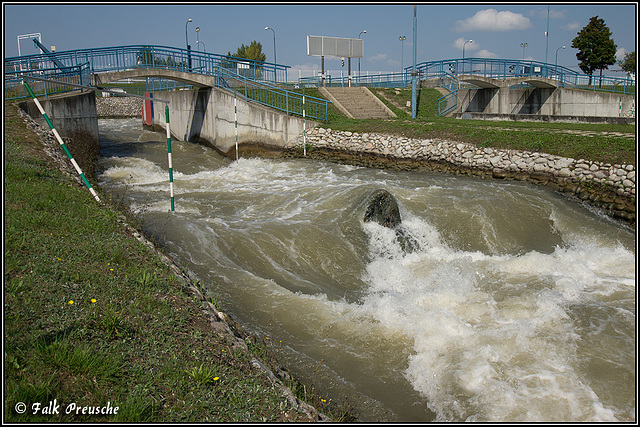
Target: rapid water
point(518, 305)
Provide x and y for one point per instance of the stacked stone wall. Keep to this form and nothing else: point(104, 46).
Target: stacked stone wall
point(118, 107)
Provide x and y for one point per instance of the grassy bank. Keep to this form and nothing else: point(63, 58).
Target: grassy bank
point(607, 143)
point(94, 319)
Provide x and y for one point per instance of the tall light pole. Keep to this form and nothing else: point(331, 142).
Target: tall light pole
point(402, 39)
point(361, 32)
point(523, 45)
point(561, 47)
point(414, 73)
point(186, 34)
point(198, 38)
point(275, 61)
point(202, 43)
point(465, 43)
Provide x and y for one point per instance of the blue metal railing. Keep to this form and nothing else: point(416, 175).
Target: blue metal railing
point(121, 58)
point(272, 96)
point(486, 67)
point(508, 68)
point(250, 79)
point(14, 89)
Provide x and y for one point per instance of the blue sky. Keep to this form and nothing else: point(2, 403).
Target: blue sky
point(497, 29)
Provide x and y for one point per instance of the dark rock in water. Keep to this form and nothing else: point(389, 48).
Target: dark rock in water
point(383, 209)
point(406, 241)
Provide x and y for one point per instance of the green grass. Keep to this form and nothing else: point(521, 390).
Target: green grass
point(607, 143)
point(93, 317)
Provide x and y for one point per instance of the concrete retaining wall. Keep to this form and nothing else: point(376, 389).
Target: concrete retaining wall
point(207, 115)
point(74, 117)
point(547, 102)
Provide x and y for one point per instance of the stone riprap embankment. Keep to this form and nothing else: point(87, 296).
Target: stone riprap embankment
point(118, 107)
point(610, 187)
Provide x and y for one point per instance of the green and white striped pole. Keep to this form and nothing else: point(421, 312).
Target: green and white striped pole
point(166, 110)
point(64, 147)
point(235, 118)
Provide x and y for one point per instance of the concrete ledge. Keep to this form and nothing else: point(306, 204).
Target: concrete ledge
point(545, 118)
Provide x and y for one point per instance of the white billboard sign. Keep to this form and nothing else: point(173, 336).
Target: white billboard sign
point(335, 46)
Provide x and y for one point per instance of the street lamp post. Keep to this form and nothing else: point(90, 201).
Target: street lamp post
point(186, 35)
point(198, 38)
point(561, 47)
point(523, 45)
point(465, 43)
point(204, 46)
point(463, 46)
point(275, 61)
point(365, 32)
point(402, 39)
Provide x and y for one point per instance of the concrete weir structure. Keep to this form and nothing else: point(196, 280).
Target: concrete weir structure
point(543, 97)
point(212, 116)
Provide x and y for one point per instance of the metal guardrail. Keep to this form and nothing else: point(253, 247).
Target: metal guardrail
point(503, 69)
point(486, 67)
point(121, 58)
point(256, 79)
point(65, 79)
point(272, 96)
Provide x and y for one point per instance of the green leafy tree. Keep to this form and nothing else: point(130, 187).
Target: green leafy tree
point(596, 49)
point(253, 52)
point(628, 63)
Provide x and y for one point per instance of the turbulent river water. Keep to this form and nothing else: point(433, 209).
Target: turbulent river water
point(517, 305)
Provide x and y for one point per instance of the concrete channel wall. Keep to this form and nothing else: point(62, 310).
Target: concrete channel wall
point(546, 102)
point(74, 117)
point(208, 116)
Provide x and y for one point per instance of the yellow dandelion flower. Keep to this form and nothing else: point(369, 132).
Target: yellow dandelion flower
point(216, 378)
point(93, 300)
point(71, 302)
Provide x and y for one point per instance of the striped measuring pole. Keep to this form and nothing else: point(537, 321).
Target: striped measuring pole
point(166, 110)
point(235, 118)
point(304, 128)
point(64, 147)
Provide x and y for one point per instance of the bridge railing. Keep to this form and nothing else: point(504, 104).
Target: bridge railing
point(121, 58)
point(503, 69)
point(14, 89)
point(487, 67)
point(272, 96)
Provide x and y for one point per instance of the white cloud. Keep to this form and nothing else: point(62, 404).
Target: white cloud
point(620, 53)
point(572, 26)
point(492, 20)
point(383, 58)
point(484, 53)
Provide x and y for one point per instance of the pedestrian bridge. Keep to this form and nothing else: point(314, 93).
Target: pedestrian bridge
point(492, 83)
point(191, 79)
point(257, 81)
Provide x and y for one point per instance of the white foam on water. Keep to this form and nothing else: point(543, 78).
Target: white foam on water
point(493, 339)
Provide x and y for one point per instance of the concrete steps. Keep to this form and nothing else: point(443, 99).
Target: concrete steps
point(357, 102)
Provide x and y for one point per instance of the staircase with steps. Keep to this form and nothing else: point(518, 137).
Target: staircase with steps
point(357, 102)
